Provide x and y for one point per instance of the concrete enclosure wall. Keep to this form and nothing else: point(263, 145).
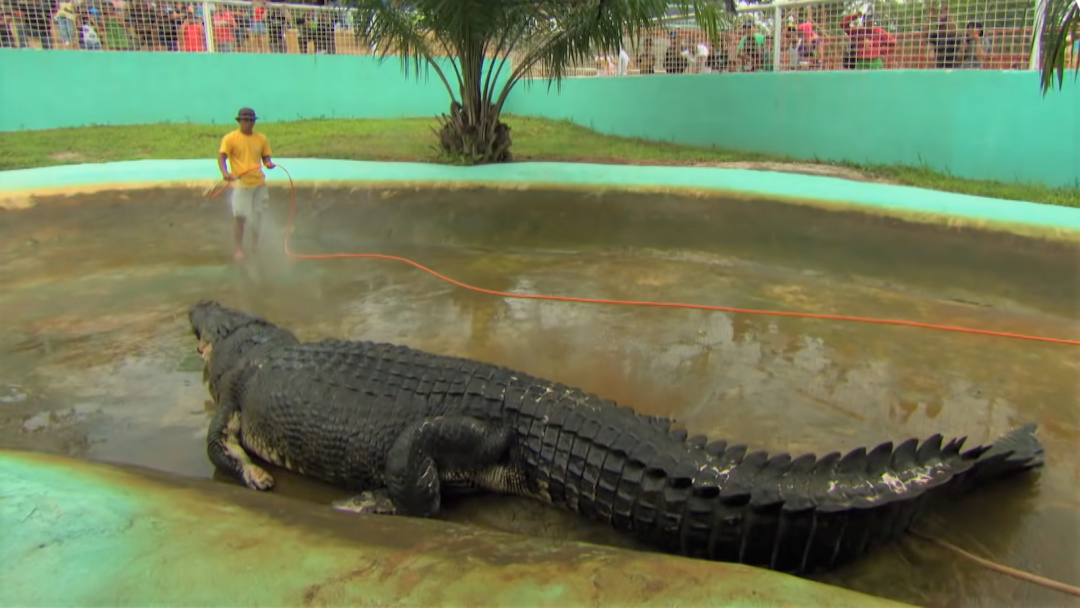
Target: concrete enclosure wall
point(129, 88)
point(977, 124)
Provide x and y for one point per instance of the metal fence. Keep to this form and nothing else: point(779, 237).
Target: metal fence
point(783, 36)
point(180, 26)
point(806, 35)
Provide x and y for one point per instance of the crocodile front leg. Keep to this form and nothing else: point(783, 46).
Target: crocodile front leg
point(225, 451)
point(462, 448)
point(372, 502)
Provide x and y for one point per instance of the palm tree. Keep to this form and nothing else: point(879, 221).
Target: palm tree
point(1062, 18)
point(477, 38)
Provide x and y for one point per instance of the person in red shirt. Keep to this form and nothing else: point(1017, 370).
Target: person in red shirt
point(192, 36)
point(224, 26)
point(258, 26)
point(870, 45)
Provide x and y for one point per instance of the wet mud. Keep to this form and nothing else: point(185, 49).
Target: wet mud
point(98, 362)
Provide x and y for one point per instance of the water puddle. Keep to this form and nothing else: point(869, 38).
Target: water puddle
point(98, 360)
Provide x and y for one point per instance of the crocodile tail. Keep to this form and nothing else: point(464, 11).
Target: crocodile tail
point(800, 515)
point(1017, 450)
point(844, 507)
point(684, 495)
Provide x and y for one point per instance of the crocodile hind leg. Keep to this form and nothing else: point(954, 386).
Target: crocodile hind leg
point(225, 451)
point(459, 447)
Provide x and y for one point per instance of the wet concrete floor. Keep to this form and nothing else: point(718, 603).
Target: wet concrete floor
point(97, 359)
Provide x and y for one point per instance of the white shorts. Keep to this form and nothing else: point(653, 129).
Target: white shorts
point(247, 201)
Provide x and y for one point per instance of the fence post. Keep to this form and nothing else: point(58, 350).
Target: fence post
point(778, 34)
point(208, 25)
point(1036, 38)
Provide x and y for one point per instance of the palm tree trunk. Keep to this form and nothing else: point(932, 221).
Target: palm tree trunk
point(472, 133)
point(474, 137)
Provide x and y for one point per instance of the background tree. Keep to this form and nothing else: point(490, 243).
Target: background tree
point(1061, 21)
point(468, 44)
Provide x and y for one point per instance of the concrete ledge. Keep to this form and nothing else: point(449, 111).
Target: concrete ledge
point(19, 187)
point(78, 533)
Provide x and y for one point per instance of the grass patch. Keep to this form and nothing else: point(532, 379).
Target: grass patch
point(932, 180)
point(410, 139)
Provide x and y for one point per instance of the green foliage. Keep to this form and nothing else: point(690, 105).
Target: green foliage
point(469, 43)
point(1062, 18)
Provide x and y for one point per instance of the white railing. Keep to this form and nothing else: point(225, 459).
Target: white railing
point(782, 36)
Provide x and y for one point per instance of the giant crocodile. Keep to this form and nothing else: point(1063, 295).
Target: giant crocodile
point(400, 426)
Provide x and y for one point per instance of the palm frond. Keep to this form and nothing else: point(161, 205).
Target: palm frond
point(478, 37)
point(401, 32)
point(1060, 19)
point(580, 30)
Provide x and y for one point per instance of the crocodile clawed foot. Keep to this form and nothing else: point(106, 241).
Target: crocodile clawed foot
point(256, 478)
point(367, 503)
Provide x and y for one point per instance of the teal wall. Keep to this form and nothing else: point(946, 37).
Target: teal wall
point(971, 123)
point(977, 124)
point(126, 88)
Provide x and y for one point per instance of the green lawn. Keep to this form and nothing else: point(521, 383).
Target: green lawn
point(410, 140)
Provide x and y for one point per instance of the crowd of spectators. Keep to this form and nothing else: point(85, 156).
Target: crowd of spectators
point(176, 25)
point(855, 42)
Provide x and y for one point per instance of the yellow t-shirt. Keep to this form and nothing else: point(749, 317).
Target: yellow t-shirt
point(246, 152)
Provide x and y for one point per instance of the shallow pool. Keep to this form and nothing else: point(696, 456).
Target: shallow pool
point(98, 286)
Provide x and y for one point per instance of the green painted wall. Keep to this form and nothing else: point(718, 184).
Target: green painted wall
point(126, 88)
point(972, 123)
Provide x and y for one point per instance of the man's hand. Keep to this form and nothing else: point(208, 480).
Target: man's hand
point(269, 165)
point(229, 177)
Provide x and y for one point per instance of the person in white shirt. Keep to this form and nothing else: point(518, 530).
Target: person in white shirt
point(624, 62)
point(702, 59)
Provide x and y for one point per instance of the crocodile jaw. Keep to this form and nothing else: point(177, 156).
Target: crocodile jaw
point(205, 349)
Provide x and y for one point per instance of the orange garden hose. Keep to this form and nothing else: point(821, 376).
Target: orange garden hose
point(980, 561)
point(526, 296)
point(996, 567)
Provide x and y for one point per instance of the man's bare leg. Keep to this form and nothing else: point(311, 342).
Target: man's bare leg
point(258, 206)
point(238, 237)
point(255, 234)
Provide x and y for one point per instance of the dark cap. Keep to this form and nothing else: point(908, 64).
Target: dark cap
point(245, 113)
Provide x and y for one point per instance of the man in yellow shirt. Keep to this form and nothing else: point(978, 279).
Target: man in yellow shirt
point(246, 152)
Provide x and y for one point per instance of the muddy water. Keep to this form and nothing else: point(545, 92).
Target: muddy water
point(97, 360)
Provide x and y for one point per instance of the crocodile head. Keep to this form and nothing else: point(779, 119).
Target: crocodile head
point(212, 323)
point(229, 338)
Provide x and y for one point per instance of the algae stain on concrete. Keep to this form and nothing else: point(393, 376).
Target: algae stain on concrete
point(59, 525)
